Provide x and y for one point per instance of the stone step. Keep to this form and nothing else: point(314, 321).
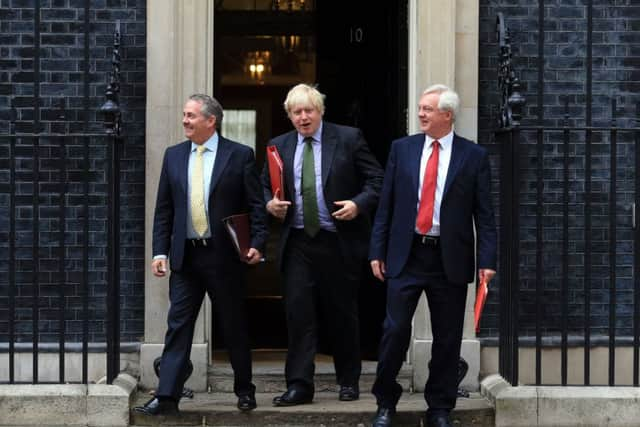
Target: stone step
point(219, 409)
point(268, 376)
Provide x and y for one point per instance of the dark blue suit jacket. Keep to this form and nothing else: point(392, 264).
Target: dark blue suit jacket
point(349, 172)
point(234, 188)
point(466, 201)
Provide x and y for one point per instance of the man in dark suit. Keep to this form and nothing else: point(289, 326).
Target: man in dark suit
point(436, 188)
point(331, 188)
point(204, 180)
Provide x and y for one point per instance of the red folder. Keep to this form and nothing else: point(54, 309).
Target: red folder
point(238, 227)
point(481, 297)
point(276, 171)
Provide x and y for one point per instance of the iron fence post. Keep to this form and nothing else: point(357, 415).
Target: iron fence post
point(512, 105)
point(111, 111)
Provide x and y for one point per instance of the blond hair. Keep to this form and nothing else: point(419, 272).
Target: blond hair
point(304, 95)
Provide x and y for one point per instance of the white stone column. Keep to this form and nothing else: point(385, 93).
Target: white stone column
point(443, 48)
point(179, 63)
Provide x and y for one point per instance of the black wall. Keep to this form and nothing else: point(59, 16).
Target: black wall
point(60, 108)
point(616, 74)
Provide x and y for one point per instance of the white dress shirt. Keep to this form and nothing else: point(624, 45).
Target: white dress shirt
point(444, 157)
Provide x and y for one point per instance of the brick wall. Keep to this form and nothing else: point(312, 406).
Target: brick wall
point(616, 74)
point(62, 109)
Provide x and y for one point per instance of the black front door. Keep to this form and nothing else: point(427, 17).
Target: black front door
point(362, 69)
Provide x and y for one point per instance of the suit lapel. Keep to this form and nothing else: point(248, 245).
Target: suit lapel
point(328, 147)
point(287, 152)
point(222, 158)
point(458, 154)
point(416, 146)
point(183, 166)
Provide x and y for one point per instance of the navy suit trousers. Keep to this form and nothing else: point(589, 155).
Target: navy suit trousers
point(225, 285)
point(422, 273)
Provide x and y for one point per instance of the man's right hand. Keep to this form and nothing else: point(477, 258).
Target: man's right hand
point(277, 207)
point(378, 269)
point(159, 267)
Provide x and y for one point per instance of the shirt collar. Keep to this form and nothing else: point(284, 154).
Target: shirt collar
point(445, 141)
point(210, 143)
point(316, 135)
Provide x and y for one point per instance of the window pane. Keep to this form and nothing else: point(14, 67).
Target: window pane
point(240, 126)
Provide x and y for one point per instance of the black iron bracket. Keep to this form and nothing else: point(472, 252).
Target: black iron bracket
point(111, 108)
point(512, 101)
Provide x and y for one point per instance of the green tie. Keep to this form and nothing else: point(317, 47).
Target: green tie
point(198, 213)
point(309, 199)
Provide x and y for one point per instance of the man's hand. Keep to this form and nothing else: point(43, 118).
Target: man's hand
point(277, 207)
point(253, 256)
point(159, 267)
point(486, 274)
point(378, 269)
point(348, 210)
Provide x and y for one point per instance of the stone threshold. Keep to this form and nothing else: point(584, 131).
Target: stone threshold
point(218, 409)
point(268, 374)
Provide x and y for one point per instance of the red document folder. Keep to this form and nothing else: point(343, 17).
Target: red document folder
point(238, 227)
point(276, 172)
point(481, 297)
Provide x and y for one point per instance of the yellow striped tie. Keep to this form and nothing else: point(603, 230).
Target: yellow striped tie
point(198, 214)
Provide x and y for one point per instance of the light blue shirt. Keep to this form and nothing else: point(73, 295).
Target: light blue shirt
point(209, 158)
point(326, 222)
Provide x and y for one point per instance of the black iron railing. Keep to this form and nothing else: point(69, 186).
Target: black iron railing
point(592, 222)
point(55, 177)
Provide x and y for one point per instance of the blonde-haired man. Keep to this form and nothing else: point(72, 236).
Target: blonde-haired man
point(331, 188)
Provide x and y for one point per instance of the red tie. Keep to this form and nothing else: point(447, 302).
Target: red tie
point(428, 196)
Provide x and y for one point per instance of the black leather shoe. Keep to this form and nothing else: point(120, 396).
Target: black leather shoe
point(383, 417)
point(348, 393)
point(157, 406)
point(438, 421)
point(247, 402)
point(293, 397)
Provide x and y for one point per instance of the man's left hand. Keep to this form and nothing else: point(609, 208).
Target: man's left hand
point(486, 274)
point(348, 210)
point(253, 256)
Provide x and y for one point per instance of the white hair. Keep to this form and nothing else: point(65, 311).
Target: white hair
point(449, 99)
